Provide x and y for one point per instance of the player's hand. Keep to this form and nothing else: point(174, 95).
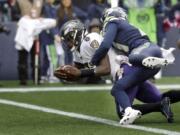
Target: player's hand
point(67, 72)
point(60, 73)
point(72, 71)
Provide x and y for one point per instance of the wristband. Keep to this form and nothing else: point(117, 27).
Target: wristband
point(90, 65)
point(87, 72)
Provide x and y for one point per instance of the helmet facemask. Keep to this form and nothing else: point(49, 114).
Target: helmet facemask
point(73, 35)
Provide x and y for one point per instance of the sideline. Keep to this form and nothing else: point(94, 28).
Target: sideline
point(76, 88)
point(86, 117)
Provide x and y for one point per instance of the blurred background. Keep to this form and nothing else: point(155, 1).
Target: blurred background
point(160, 19)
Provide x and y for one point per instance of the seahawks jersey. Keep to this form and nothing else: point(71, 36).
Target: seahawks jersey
point(127, 37)
point(87, 49)
point(121, 35)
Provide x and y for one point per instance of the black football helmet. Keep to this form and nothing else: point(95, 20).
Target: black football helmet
point(116, 12)
point(73, 32)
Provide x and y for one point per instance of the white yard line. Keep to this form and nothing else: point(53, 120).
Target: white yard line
point(60, 88)
point(76, 88)
point(86, 117)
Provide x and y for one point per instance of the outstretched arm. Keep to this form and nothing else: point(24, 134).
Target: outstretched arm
point(106, 44)
point(68, 72)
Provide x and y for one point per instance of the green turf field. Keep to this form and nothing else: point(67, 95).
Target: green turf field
point(22, 121)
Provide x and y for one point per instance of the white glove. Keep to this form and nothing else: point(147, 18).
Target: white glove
point(168, 55)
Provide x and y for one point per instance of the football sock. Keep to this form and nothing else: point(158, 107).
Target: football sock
point(174, 95)
point(148, 108)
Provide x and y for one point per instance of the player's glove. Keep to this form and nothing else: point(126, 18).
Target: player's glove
point(67, 72)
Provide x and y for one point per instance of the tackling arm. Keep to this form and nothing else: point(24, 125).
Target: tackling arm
point(109, 37)
point(103, 68)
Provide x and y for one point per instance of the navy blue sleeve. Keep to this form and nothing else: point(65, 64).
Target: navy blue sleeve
point(106, 44)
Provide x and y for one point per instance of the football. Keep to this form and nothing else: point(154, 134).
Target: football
point(67, 72)
point(60, 72)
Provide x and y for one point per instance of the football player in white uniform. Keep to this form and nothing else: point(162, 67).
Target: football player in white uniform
point(84, 46)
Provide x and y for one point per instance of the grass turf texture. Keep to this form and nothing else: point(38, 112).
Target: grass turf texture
point(27, 122)
point(15, 83)
point(23, 121)
point(20, 121)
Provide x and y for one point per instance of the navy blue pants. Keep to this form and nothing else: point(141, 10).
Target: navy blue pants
point(148, 49)
point(136, 75)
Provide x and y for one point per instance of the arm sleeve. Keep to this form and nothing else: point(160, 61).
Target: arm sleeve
point(106, 44)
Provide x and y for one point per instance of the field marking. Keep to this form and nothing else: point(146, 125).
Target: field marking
point(86, 117)
point(76, 88)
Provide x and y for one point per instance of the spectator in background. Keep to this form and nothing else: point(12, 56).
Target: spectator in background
point(96, 9)
point(47, 38)
point(29, 8)
point(66, 12)
point(161, 9)
point(95, 26)
point(5, 11)
point(15, 10)
point(174, 11)
point(174, 19)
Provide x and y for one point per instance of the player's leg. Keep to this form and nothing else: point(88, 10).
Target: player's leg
point(136, 77)
point(132, 95)
point(163, 106)
point(148, 55)
point(148, 93)
point(129, 114)
point(174, 95)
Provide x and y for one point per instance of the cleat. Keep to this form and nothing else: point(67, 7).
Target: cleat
point(154, 62)
point(130, 116)
point(166, 109)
